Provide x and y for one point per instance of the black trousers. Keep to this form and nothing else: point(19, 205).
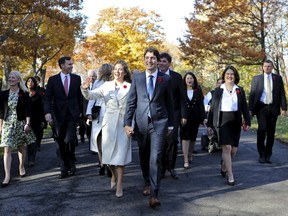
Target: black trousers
point(170, 151)
point(67, 141)
point(266, 130)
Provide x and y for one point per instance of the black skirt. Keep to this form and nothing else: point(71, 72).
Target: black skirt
point(229, 131)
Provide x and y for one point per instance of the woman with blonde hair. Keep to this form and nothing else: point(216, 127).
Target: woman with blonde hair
point(15, 112)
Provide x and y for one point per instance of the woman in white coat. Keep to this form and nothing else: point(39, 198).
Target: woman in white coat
point(116, 146)
point(103, 75)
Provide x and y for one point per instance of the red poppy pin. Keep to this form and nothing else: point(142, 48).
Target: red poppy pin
point(160, 79)
point(19, 94)
point(124, 86)
point(196, 89)
point(33, 93)
point(238, 91)
point(274, 78)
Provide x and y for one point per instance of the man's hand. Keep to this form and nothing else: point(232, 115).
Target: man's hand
point(129, 131)
point(283, 113)
point(48, 118)
point(169, 131)
point(251, 114)
point(183, 121)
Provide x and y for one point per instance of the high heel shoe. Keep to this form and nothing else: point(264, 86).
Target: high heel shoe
point(5, 184)
point(186, 165)
point(119, 192)
point(223, 173)
point(230, 183)
point(113, 184)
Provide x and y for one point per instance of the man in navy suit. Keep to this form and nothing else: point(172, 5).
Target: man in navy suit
point(62, 107)
point(151, 100)
point(267, 95)
point(180, 115)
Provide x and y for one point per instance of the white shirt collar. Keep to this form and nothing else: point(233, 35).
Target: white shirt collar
point(154, 74)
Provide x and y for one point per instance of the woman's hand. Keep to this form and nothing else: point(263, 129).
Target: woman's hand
point(129, 131)
point(86, 83)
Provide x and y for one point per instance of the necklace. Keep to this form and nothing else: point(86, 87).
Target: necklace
point(229, 89)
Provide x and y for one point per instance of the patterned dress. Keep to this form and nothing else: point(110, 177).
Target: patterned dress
point(13, 134)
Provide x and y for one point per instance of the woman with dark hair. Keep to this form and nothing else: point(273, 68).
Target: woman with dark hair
point(15, 112)
point(195, 116)
point(38, 121)
point(116, 146)
point(228, 105)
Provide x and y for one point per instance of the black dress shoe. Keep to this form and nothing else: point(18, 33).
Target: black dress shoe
point(268, 160)
point(154, 202)
point(262, 160)
point(72, 168)
point(173, 174)
point(64, 175)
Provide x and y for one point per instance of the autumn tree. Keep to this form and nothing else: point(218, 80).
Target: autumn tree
point(235, 32)
point(37, 31)
point(121, 34)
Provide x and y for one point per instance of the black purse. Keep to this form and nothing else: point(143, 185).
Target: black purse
point(95, 112)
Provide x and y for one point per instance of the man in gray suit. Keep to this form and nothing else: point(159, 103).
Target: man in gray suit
point(151, 100)
point(267, 95)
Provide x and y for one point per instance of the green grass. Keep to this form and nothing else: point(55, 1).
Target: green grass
point(281, 128)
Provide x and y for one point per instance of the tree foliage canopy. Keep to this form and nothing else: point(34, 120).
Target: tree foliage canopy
point(121, 34)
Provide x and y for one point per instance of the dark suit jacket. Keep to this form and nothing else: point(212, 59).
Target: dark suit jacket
point(178, 90)
point(23, 108)
point(214, 114)
point(195, 107)
point(257, 87)
point(161, 104)
point(58, 104)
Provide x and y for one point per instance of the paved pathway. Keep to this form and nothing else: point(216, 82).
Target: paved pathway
point(261, 189)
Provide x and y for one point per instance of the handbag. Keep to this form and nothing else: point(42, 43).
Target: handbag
point(95, 110)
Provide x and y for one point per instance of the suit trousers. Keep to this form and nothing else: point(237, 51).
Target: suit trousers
point(266, 129)
point(150, 153)
point(67, 141)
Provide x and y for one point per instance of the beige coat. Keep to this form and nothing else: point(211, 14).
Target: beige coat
point(116, 146)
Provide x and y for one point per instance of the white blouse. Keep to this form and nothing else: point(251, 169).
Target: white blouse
point(229, 100)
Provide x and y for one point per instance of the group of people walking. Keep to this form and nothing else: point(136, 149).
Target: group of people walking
point(152, 107)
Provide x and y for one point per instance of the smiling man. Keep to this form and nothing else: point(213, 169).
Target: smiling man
point(151, 100)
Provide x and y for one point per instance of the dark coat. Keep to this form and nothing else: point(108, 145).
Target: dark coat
point(58, 104)
point(214, 114)
point(23, 105)
point(257, 87)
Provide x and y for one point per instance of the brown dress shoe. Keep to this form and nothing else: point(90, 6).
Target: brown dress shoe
point(154, 202)
point(146, 190)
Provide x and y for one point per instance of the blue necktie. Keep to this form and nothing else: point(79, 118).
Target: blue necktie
point(150, 88)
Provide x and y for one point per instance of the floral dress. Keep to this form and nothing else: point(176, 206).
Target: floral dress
point(13, 134)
